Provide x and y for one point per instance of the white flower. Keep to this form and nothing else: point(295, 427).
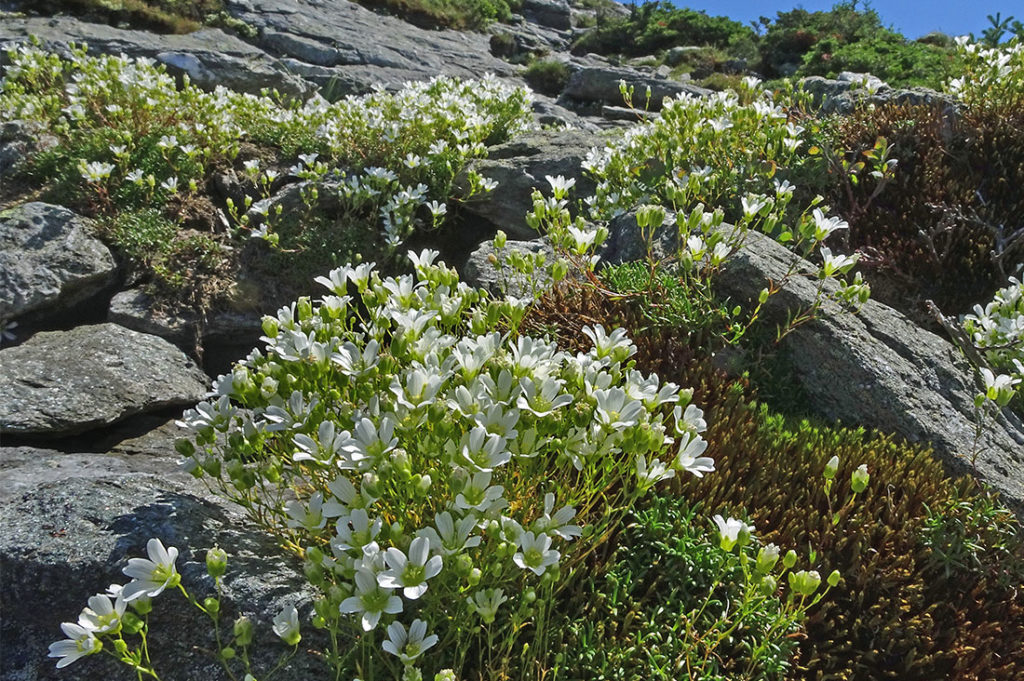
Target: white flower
point(825, 226)
point(286, 625)
point(732, 531)
point(410, 574)
point(835, 264)
point(690, 459)
point(103, 615)
point(615, 411)
point(556, 524)
point(535, 552)
point(355, 530)
point(449, 538)
point(487, 602)
point(151, 577)
point(649, 473)
point(479, 495)
point(545, 401)
point(96, 171)
point(79, 643)
point(407, 646)
point(310, 517)
point(371, 600)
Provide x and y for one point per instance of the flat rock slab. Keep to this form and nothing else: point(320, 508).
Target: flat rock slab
point(49, 260)
point(61, 383)
point(880, 370)
point(347, 48)
point(601, 84)
point(70, 523)
point(210, 57)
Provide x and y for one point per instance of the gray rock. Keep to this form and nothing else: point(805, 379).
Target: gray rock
point(66, 382)
point(880, 370)
point(133, 309)
point(500, 279)
point(678, 54)
point(49, 260)
point(624, 113)
point(552, 13)
point(70, 523)
point(349, 48)
point(547, 113)
point(625, 242)
point(18, 141)
point(844, 93)
point(210, 57)
point(519, 167)
point(601, 84)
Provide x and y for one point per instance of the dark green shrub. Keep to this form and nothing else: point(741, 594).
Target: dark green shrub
point(792, 34)
point(549, 76)
point(887, 55)
point(456, 14)
point(656, 26)
point(954, 200)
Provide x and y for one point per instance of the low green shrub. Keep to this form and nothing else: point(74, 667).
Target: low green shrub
point(549, 76)
point(886, 55)
point(454, 14)
point(655, 26)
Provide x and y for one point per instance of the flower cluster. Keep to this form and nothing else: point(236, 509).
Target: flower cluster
point(993, 77)
point(107, 614)
point(720, 158)
point(997, 330)
point(134, 136)
point(430, 461)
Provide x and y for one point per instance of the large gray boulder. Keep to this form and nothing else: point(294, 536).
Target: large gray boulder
point(210, 57)
point(627, 243)
point(880, 370)
point(551, 13)
point(72, 520)
point(846, 91)
point(20, 139)
point(347, 49)
point(601, 84)
point(66, 382)
point(519, 167)
point(50, 260)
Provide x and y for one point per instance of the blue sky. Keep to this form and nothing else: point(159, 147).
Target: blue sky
point(913, 18)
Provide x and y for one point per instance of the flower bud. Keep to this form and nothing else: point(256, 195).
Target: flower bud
point(314, 555)
point(120, 646)
point(831, 467)
point(474, 577)
point(228, 653)
point(142, 605)
point(834, 577)
point(767, 557)
point(790, 559)
point(216, 562)
point(463, 565)
point(805, 582)
point(243, 631)
point(500, 239)
point(212, 605)
point(530, 595)
point(768, 585)
point(184, 447)
point(859, 479)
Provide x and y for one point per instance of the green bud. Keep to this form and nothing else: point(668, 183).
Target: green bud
point(859, 479)
point(314, 555)
point(423, 483)
point(767, 556)
point(805, 582)
point(463, 565)
point(834, 577)
point(142, 605)
point(120, 646)
point(243, 631)
point(132, 623)
point(319, 622)
point(831, 467)
point(559, 269)
point(474, 577)
point(212, 605)
point(500, 239)
point(228, 653)
point(216, 562)
point(270, 327)
point(790, 559)
point(768, 585)
point(763, 296)
point(304, 307)
point(184, 447)
point(530, 595)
